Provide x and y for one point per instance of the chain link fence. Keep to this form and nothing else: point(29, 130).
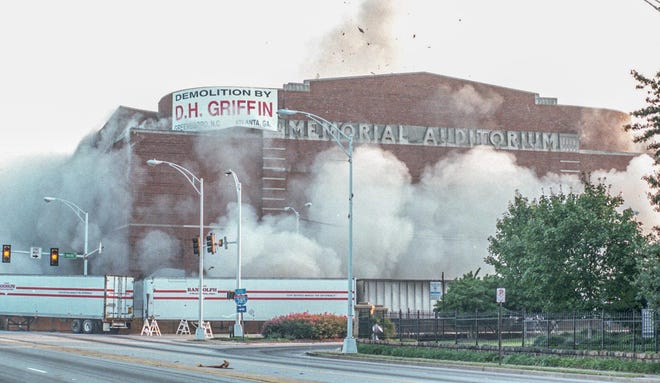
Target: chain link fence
point(635, 331)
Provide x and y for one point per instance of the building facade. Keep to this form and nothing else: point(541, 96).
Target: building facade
point(420, 118)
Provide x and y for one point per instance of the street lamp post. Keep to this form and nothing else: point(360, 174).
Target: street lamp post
point(349, 346)
point(84, 217)
point(290, 208)
point(198, 185)
point(238, 328)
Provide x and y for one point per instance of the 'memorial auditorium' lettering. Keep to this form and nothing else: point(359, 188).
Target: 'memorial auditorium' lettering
point(433, 136)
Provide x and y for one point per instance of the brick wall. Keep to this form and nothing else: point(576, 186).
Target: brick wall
point(271, 168)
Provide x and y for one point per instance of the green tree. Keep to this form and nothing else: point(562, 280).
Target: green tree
point(648, 279)
point(470, 293)
point(568, 251)
point(647, 126)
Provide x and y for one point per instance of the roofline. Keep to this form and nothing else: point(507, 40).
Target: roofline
point(413, 74)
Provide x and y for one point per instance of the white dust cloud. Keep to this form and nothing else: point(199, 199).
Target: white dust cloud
point(634, 189)
point(93, 180)
point(603, 129)
point(380, 225)
point(401, 230)
point(156, 250)
point(270, 248)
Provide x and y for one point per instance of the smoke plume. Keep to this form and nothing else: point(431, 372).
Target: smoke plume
point(92, 179)
point(403, 229)
point(362, 45)
point(603, 129)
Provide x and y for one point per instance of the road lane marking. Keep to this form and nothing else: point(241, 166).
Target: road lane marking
point(157, 363)
point(36, 370)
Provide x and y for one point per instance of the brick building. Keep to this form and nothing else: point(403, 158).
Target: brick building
point(418, 117)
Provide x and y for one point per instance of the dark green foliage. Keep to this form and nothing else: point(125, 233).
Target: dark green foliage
point(428, 353)
point(470, 293)
point(568, 251)
point(648, 278)
point(602, 364)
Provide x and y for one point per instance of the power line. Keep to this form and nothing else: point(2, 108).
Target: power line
point(655, 4)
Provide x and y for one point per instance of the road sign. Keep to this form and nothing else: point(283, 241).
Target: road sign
point(241, 309)
point(240, 297)
point(501, 295)
point(69, 255)
point(35, 252)
point(436, 290)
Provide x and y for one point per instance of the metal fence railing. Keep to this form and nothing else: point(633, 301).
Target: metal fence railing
point(635, 331)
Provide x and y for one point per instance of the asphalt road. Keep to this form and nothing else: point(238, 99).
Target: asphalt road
point(56, 357)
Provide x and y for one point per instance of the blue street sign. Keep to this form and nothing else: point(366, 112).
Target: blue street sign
point(240, 297)
point(241, 309)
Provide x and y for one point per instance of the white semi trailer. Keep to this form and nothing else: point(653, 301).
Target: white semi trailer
point(178, 298)
point(90, 303)
point(108, 303)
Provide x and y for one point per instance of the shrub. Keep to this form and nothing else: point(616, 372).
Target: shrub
point(305, 326)
point(603, 364)
point(556, 341)
point(427, 353)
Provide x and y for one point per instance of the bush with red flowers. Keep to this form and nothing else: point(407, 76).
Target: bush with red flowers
point(305, 326)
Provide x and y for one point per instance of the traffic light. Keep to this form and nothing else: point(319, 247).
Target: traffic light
point(196, 248)
point(6, 253)
point(54, 256)
point(223, 242)
point(210, 243)
point(230, 295)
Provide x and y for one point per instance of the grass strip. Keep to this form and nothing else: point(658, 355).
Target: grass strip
point(584, 363)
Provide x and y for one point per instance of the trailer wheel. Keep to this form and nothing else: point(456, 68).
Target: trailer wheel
point(76, 326)
point(88, 326)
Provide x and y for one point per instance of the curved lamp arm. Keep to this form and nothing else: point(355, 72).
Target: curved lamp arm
point(80, 213)
point(194, 180)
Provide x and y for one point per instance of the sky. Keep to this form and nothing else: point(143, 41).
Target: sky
point(67, 65)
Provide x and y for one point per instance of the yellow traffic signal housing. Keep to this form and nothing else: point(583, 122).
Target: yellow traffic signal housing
point(54, 256)
point(6, 253)
point(196, 248)
point(210, 243)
